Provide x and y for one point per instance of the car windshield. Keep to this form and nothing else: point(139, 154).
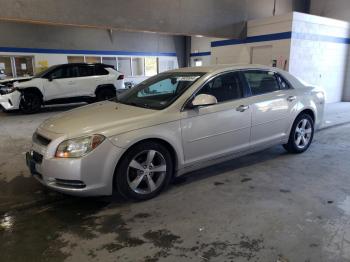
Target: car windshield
point(43, 73)
point(160, 91)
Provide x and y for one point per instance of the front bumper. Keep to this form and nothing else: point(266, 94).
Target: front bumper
point(10, 101)
point(91, 175)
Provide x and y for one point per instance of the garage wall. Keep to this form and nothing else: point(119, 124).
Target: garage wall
point(338, 9)
point(201, 50)
point(319, 53)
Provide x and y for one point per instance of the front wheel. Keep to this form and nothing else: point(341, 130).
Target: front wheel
point(30, 103)
point(301, 135)
point(144, 171)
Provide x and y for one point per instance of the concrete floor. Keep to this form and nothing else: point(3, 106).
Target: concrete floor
point(269, 206)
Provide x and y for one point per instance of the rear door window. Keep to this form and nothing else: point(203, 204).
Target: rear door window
point(261, 82)
point(72, 71)
point(86, 70)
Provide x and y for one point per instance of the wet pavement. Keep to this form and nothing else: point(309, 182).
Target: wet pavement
point(268, 206)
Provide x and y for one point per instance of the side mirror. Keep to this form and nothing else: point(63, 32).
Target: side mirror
point(204, 100)
point(50, 78)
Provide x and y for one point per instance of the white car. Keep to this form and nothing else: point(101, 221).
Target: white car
point(173, 123)
point(58, 84)
point(2, 74)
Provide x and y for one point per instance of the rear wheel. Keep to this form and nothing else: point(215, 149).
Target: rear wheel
point(105, 94)
point(301, 135)
point(30, 103)
point(144, 171)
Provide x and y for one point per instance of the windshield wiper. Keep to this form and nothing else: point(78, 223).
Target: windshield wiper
point(138, 105)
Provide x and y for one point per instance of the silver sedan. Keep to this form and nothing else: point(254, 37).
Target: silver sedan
point(173, 123)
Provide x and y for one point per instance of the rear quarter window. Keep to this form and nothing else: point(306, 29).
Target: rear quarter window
point(282, 82)
point(99, 70)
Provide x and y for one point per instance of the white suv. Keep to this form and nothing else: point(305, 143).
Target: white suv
point(59, 84)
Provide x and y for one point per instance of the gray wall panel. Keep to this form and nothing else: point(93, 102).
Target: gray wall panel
point(63, 37)
point(185, 17)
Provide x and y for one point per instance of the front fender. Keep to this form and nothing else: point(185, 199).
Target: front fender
point(167, 132)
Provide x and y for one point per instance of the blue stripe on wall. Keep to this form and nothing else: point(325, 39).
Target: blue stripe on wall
point(200, 54)
point(80, 52)
point(282, 36)
point(320, 38)
point(253, 39)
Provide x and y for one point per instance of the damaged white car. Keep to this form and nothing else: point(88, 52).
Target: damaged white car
point(61, 84)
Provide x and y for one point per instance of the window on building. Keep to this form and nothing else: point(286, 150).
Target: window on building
point(151, 67)
point(5, 64)
point(138, 66)
point(198, 62)
point(124, 65)
point(75, 59)
point(261, 82)
point(92, 59)
point(166, 64)
point(24, 65)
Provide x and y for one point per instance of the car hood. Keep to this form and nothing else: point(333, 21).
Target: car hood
point(11, 81)
point(107, 118)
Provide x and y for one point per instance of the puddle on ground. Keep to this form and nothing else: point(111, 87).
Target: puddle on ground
point(35, 232)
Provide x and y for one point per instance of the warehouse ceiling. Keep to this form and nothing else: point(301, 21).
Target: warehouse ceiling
point(217, 18)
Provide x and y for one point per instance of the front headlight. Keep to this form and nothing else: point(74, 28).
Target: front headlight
point(78, 147)
point(8, 90)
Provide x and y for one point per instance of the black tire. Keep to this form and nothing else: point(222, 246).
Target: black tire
point(105, 94)
point(292, 146)
point(30, 103)
point(122, 177)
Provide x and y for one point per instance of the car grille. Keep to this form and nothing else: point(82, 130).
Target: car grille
point(38, 158)
point(39, 139)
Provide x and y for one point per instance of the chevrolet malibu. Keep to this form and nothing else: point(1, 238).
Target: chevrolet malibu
point(170, 124)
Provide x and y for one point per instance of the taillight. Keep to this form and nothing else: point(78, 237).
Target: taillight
point(120, 77)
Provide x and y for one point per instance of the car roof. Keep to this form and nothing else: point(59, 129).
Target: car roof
point(89, 64)
point(222, 67)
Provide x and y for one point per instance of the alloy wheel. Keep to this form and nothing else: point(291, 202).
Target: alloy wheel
point(303, 133)
point(146, 172)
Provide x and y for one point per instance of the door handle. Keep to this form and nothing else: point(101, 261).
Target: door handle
point(291, 98)
point(242, 108)
point(70, 83)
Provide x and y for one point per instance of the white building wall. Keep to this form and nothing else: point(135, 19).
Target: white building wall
point(319, 54)
point(242, 53)
point(317, 50)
